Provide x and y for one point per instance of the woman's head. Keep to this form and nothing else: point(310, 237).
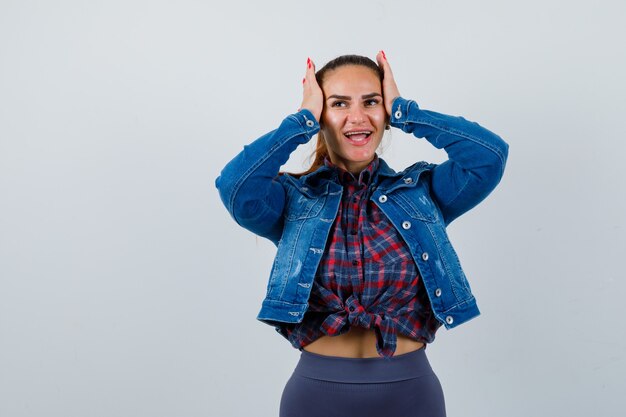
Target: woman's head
point(345, 60)
point(353, 117)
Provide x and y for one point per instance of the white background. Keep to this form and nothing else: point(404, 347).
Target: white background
point(127, 290)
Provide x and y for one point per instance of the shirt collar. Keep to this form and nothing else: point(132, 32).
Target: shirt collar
point(345, 177)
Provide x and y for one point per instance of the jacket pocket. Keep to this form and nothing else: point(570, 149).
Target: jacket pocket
point(302, 204)
point(415, 200)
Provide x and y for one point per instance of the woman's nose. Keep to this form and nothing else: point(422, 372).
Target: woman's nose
point(356, 115)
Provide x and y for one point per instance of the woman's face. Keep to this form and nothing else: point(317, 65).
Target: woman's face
point(353, 118)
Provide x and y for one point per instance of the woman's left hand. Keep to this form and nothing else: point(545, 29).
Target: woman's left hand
point(390, 89)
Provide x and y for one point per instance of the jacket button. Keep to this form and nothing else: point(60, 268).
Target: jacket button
point(449, 320)
point(425, 256)
point(310, 123)
point(406, 224)
point(382, 198)
point(408, 180)
point(438, 292)
point(398, 114)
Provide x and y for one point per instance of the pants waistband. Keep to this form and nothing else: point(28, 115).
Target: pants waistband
point(363, 370)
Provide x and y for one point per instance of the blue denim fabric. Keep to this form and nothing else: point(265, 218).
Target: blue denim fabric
point(296, 214)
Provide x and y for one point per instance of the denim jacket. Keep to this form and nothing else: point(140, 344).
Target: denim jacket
point(296, 214)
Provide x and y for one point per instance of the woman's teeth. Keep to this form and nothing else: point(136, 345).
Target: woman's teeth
point(358, 136)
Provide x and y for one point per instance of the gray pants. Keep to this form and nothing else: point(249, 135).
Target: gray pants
point(401, 386)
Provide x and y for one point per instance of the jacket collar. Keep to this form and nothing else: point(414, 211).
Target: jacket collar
point(385, 170)
point(326, 172)
point(385, 176)
point(344, 177)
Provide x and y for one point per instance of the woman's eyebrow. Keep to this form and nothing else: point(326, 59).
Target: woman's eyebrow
point(365, 96)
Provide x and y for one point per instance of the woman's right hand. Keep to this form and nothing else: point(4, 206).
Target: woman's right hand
point(312, 95)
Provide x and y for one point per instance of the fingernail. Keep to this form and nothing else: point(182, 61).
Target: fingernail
point(303, 80)
point(384, 56)
point(308, 62)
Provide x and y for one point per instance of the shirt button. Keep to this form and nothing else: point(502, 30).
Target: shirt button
point(353, 232)
point(382, 198)
point(438, 292)
point(425, 256)
point(449, 320)
point(351, 308)
point(355, 262)
point(398, 114)
point(406, 224)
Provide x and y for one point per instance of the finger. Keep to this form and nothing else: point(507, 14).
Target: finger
point(306, 73)
point(311, 80)
point(305, 79)
point(384, 63)
point(380, 58)
point(310, 71)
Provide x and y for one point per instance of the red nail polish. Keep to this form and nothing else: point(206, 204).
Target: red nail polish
point(384, 56)
point(303, 80)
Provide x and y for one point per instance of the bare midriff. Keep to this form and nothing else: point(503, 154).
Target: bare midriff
point(358, 342)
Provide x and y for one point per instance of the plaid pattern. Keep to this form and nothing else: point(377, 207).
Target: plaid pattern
point(367, 276)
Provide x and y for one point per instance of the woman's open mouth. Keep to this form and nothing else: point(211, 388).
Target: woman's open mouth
point(358, 137)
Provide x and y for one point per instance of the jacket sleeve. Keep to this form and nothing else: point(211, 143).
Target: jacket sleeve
point(249, 185)
point(476, 156)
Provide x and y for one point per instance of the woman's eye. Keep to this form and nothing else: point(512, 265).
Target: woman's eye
point(339, 104)
point(371, 102)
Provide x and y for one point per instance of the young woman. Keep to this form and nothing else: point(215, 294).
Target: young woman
point(364, 273)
